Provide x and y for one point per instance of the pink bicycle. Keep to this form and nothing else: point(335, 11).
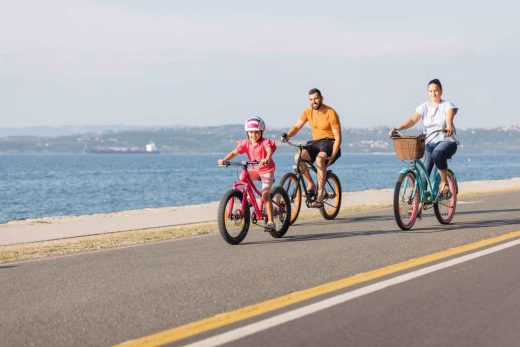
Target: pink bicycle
point(234, 212)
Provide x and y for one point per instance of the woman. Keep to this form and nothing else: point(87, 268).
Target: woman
point(436, 114)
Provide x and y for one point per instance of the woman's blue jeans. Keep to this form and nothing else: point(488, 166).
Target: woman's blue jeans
point(438, 154)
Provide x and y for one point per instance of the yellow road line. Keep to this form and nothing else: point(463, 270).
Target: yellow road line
point(220, 320)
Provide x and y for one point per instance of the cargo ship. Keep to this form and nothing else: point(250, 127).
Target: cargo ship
point(150, 148)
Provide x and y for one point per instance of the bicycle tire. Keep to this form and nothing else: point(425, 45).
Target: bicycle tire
point(406, 202)
point(332, 197)
point(281, 211)
point(445, 207)
point(232, 201)
point(290, 183)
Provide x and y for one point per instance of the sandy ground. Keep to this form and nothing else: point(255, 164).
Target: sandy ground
point(53, 228)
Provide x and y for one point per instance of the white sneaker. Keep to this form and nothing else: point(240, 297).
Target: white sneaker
point(270, 225)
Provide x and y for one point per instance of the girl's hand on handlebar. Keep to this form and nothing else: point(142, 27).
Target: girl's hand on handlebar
point(220, 162)
point(264, 162)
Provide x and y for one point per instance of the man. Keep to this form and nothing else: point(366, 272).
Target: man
point(326, 127)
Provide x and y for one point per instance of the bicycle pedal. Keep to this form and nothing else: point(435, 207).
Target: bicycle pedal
point(419, 213)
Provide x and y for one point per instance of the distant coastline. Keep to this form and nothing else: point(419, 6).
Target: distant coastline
point(221, 139)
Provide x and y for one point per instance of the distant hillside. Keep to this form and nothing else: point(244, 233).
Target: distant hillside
point(218, 139)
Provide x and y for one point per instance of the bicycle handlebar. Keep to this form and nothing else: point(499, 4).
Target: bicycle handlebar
point(242, 163)
point(397, 133)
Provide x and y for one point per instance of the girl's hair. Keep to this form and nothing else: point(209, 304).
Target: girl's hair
point(436, 82)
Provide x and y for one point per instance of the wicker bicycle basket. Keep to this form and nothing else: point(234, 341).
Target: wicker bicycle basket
point(409, 147)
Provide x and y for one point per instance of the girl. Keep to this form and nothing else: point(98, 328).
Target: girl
point(261, 149)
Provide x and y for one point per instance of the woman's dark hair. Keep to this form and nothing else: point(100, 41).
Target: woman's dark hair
point(437, 82)
point(314, 91)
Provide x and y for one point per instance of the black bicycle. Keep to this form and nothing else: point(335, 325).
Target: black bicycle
point(294, 185)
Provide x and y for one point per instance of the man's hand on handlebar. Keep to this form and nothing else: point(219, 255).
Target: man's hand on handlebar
point(284, 138)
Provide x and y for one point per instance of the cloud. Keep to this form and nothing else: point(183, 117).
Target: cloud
point(62, 37)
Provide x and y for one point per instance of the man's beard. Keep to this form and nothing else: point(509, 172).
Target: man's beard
point(317, 106)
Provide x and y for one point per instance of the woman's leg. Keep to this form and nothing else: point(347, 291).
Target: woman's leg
point(428, 163)
point(442, 152)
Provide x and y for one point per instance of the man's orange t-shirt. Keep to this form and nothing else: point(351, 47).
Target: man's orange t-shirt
point(321, 121)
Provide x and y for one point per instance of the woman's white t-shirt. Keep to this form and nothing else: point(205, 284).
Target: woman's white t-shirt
point(434, 118)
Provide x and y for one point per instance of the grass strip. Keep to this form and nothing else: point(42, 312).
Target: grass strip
point(35, 250)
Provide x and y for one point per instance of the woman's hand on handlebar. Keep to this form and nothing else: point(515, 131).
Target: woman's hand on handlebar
point(393, 132)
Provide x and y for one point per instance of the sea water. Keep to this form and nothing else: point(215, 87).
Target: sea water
point(33, 186)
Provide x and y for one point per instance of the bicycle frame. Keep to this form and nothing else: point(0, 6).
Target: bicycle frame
point(417, 167)
point(248, 189)
point(310, 166)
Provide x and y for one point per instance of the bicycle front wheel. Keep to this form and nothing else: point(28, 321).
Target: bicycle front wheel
point(281, 211)
point(331, 197)
point(445, 206)
point(406, 201)
point(290, 183)
point(233, 221)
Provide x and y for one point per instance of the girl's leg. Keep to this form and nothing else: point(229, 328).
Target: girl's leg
point(267, 183)
point(253, 174)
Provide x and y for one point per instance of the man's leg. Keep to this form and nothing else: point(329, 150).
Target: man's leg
point(321, 166)
point(305, 170)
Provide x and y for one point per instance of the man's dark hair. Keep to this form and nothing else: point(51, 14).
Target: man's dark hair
point(437, 82)
point(314, 91)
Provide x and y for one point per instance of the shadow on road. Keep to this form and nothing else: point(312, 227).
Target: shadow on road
point(7, 266)
point(468, 225)
point(487, 211)
point(488, 223)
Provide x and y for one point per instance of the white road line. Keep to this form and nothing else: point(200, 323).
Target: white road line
point(468, 202)
point(267, 323)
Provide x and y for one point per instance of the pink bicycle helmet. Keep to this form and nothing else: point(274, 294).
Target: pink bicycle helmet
point(254, 124)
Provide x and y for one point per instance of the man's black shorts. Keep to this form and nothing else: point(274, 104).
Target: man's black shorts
point(326, 146)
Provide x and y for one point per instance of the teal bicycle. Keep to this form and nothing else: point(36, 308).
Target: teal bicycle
point(410, 197)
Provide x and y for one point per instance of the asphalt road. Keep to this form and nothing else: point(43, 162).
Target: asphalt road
point(107, 297)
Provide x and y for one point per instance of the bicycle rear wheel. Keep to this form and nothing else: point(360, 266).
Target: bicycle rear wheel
point(233, 223)
point(281, 211)
point(290, 183)
point(406, 200)
point(331, 197)
point(445, 206)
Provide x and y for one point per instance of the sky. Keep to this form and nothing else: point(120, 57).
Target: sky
point(204, 63)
